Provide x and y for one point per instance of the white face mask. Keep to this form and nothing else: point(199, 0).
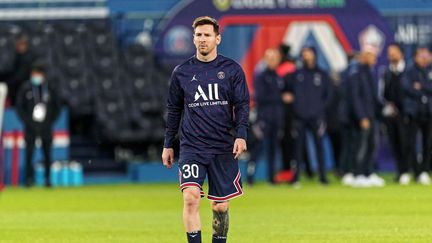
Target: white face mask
point(37, 79)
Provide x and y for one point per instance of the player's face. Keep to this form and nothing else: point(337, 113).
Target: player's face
point(205, 39)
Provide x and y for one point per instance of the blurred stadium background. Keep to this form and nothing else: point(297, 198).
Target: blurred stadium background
point(111, 61)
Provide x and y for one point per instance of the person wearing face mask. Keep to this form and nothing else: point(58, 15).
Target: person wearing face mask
point(38, 107)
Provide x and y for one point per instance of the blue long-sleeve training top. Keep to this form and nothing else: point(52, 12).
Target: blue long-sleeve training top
point(213, 99)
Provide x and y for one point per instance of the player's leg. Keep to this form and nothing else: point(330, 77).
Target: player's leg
point(191, 216)
point(224, 184)
point(220, 221)
point(192, 175)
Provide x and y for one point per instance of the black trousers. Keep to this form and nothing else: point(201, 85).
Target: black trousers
point(287, 142)
point(424, 126)
point(30, 138)
point(270, 130)
point(365, 143)
point(348, 149)
point(396, 132)
point(336, 141)
point(317, 128)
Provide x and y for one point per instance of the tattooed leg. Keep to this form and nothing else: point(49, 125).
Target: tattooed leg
point(220, 221)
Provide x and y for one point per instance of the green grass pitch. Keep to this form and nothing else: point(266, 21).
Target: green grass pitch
point(152, 213)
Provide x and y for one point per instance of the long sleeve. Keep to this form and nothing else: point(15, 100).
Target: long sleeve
point(328, 91)
point(264, 91)
point(21, 106)
point(241, 105)
point(358, 106)
point(408, 85)
point(174, 108)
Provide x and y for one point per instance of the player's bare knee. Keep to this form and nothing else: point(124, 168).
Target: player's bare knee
point(220, 206)
point(191, 197)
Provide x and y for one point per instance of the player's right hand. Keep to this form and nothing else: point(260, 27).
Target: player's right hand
point(168, 157)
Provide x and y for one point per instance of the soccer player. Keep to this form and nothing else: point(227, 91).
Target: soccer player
point(208, 93)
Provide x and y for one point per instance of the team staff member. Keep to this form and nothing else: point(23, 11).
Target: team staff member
point(345, 112)
point(38, 107)
point(418, 108)
point(208, 92)
point(285, 70)
point(393, 95)
point(21, 66)
point(366, 105)
point(311, 93)
point(268, 86)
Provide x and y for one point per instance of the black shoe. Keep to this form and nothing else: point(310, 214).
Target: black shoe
point(48, 184)
point(29, 182)
point(250, 180)
point(324, 181)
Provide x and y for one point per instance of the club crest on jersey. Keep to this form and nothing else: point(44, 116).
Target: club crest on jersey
point(213, 93)
point(221, 75)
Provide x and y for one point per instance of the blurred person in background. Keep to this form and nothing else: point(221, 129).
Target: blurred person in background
point(311, 93)
point(333, 122)
point(267, 129)
point(418, 109)
point(21, 67)
point(345, 111)
point(285, 70)
point(38, 106)
point(393, 95)
point(365, 105)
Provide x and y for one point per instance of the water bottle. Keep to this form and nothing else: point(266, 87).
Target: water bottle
point(39, 174)
point(55, 173)
point(64, 174)
point(76, 173)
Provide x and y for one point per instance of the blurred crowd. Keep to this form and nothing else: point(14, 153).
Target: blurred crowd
point(298, 104)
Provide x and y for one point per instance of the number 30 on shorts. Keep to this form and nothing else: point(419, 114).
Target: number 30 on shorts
point(190, 170)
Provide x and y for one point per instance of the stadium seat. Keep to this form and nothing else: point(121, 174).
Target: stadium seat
point(110, 115)
point(77, 90)
point(138, 59)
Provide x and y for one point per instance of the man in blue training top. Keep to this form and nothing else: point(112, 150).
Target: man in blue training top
point(208, 93)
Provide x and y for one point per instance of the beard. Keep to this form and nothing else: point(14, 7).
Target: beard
point(205, 50)
point(204, 53)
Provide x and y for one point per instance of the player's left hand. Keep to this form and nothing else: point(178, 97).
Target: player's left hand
point(239, 147)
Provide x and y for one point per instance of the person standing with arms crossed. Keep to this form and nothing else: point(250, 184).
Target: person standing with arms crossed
point(208, 92)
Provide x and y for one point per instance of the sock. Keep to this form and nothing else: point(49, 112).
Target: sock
point(194, 236)
point(218, 239)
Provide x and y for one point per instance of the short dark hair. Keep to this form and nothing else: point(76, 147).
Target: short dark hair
point(39, 66)
point(398, 46)
point(204, 20)
point(420, 48)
